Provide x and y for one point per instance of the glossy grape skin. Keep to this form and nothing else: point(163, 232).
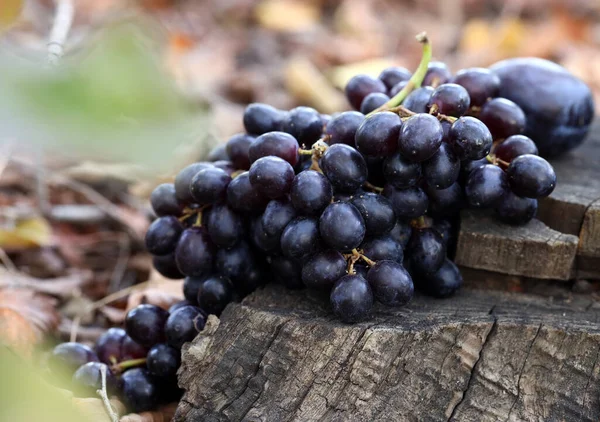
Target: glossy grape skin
point(470, 138)
point(342, 227)
point(377, 136)
point(467, 166)
point(179, 305)
point(279, 144)
point(162, 235)
point(450, 99)
point(401, 232)
point(163, 360)
point(260, 239)
point(304, 124)
point(373, 101)
point(360, 86)
point(218, 153)
point(277, 215)
point(166, 266)
point(445, 202)
point(225, 227)
point(443, 169)
point(164, 200)
point(486, 186)
point(238, 147)
point(442, 283)
point(418, 99)
point(271, 176)
point(300, 238)
point(88, 379)
point(139, 390)
point(392, 285)
point(397, 88)
point(407, 203)
point(183, 180)
point(311, 192)
point(383, 248)
point(145, 324)
point(323, 269)
point(426, 251)
point(214, 294)
point(345, 168)
point(183, 325)
point(437, 74)
point(194, 253)
point(233, 263)
point(420, 137)
point(481, 84)
point(191, 286)
point(514, 146)
point(209, 186)
point(351, 298)
point(377, 212)
point(516, 210)
point(262, 118)
point(559, 106)
point(67, 357)
point(225, 165)
point(287, 272)
point(503, 118)
point(342, 128)
point(531, 176)
point(109, 345)
point(401, 172)
point(393, 75)
point(243, 197)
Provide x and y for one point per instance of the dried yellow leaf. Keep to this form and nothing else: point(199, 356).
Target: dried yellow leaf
point(26, 233)
point(286, 15)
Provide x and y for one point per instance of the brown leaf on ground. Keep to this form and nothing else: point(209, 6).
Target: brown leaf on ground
point(160, 292)
point(26, 233)
point(62, 287)
point(162, 414)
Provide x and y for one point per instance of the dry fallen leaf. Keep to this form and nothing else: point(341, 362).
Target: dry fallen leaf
point(162, 414)
point(63, 287)
point(287, 15)
point(26, 233)
point(160, 292)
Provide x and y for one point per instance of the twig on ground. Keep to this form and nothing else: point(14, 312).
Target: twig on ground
point(104, 396)
point(75, 328)
point(63, 19)
point(121, 265)
point(7, 262)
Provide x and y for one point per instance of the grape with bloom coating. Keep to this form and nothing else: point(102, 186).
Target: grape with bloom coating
point(277, 215)
point(67, 357)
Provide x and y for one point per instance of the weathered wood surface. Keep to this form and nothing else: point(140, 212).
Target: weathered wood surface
point(480, 356)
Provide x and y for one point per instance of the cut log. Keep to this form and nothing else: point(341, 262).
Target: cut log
point(480, 356)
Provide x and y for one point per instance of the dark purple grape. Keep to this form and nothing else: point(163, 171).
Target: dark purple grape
point(397, 88)
point(443, 169)
point(180, 304)
point(531, 176)
point(450, 100)
point(163, 360)
point(218, 153)
point(67, 357)
point(360, 86)
point(209, 186)
point(342, 227)
point(227, 166)
point(311, 192)
point(377, 136)
point(418, 99)
point(243, 197)
point(164, 201)
point(214, 294)
point(132, 349)
point(486, 186)
point(287, 272)
point(401, 233)
point(277, 215)
point(323, 270)
point(445, 202)
point(194, 253)
point(271, 176)
point(304, 124)
point(516, 210)
point(145, 324)
point(88, 379)
point(345, 168)
point(426, 251)
point(503, 118)
point(392, 285)
point(237, 148)
point(342, 128)
point(480, 83)
point(183, 180)
point(514, 146)
point(300, 238)
point(401, 172)
point(377, 212)
point(467, 166)
point(163, 234)
point(233, 263)
point(393, 75)
point(255, 277)
point(183, 325)
point(351, 298)
point(262, 118)
point(383, 248)
point(442, 283)
point(420, 137)
point(446, 230)
point(470, 138)
point(260, 239)
point(373, 101)
point(166, 266)
point(139, 390)
point(279, 144)
point(109, 345)
point(437, 74)
point(191, 287)
point(325, 119)
point(224, 226)
point(407, 203)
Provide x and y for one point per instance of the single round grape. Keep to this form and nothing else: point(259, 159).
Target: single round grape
point(260, 239)
point(311, 192)
point(279, 144)
point(351, 298)
point(531, 176)
point(393, 75)
point(139, 390)
point(503, 118)
point(418, 99)
point(486, 186)
point(209, 186)
point(377, 212)
point(392, 285)
point(345, 168)
point(272, 176)
point(145, 324)
point(342, 227)
point(407, 203)
point(191, 287)
point(194, 253)
point(450, 100)
point(131, 349)
point(166, 266)
point(516, 210)
point(397, 88)
point(183, 180)
point(383, 248)
point(67, 357)
point(287, 272)
point(180, 304)
point(225, 227)
point(163, 360)
point(214, 294)
point(164, 200)
point(323, 269)
point(243, 197)
point(373, 101)
point(238, 147)
point(481, 84)
point(401, 172)
point(233, 263)
point(437, 74)
point(300, 238)
point(426, 251)
point(442, 283)
point(163, 234)
point(445, 202)
point(109, 345)
point(470, 138)
point(420, 137)
point(277, 215)
point(401, 233)
point(218, 153)
point(377, 136)
point(262, 118)
point(360, 86)
point(342, 128)
point(467, 166)
point(183, 325)
point(88, 379)
point(304, 124)
point(443, 169)
point(514, 146)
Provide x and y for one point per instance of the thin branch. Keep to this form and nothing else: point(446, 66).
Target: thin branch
point(75, 328)
point(104, 395)
point(121, 265)
point(63, 19)
point(7, 262)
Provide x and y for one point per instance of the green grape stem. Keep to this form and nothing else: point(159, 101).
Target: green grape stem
point(126, 364)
